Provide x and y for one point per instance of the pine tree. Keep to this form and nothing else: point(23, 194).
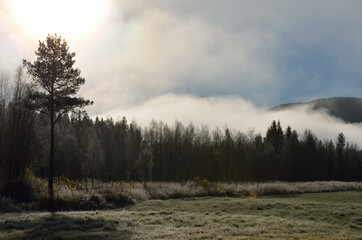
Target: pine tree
point(275, 136)
point(55, 84)
point(340, 146)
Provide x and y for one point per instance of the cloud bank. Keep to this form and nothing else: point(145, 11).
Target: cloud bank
point(214, 62)
point(237, 114)
point(265, 52)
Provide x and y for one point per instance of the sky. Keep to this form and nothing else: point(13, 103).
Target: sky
point(222, 63)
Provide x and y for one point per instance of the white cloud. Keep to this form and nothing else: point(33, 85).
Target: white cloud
point(260, 50)
point(157, 52)
point(238, 114)
point(151, 58)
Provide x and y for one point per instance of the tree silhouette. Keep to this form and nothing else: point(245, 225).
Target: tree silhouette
point(340, 147)
point(144, 164)
point(275, 136)
point(94, 158)
point(55, 84)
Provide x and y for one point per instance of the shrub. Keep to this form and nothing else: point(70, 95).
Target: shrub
point(119, 198)
point(202, 182)
point(71, 195)
point(218, 189)
point(231, 191)
point(39, 188)
point(63, 180)
point(253, 194)
point(96, 202)
point(7, 205)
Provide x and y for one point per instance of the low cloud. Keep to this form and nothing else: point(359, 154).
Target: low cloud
point(267, 53)
point(152, 60)
point(237, 114)
point(156, 51)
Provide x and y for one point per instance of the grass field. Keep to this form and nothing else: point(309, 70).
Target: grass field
point(304, 216)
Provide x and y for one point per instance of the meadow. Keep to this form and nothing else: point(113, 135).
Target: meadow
point(76, 195)
point(328, 215)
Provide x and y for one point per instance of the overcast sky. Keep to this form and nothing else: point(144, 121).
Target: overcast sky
point(217, 62)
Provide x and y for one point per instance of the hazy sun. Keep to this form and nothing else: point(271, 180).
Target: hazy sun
point(69, 18)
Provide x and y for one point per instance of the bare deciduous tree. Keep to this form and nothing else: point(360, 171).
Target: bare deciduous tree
point(144, 164)
point(94, 159)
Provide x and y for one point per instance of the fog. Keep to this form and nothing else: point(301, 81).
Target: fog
point(266, 52)
point(237, 114)
point(213, 62)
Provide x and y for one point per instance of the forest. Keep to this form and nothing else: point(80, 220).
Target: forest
point(45, 133)
point(112, 150)
point(180, 120)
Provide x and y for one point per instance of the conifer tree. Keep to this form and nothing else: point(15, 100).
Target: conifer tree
point(340, 147)
point(55, 85)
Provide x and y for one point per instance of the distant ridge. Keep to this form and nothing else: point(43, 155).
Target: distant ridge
point(349, 109)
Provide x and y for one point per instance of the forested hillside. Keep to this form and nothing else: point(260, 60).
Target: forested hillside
point(349, 109)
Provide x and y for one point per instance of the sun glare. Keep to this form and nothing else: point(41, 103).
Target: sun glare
point(72, 19)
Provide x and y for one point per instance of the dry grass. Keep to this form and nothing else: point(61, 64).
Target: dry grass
point(71, 195)
point(304, 216)
point(280, 188)
point(166, 190)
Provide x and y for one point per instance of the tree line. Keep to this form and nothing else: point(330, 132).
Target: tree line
point(110, 150)
point(180, 153)
point(82, 148)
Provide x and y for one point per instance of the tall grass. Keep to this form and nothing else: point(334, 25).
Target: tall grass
point(72, 195)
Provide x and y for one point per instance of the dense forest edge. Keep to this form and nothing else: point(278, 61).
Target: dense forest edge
point(99, 162)
point(45, 134)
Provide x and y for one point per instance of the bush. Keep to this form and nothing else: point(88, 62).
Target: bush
point(71, 195)
point(118, 198)
point(63, 180)
point(39, 187)
point(7, 205)
point(231, 191)
point(96, 202)
point(219, 189)
point(202, 182)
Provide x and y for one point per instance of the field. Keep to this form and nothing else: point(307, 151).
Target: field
point(335, 215)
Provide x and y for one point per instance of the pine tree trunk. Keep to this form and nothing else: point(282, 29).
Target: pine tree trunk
point(51, 162)
point(86, 184)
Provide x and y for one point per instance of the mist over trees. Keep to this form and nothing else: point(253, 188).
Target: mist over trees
point(116, 150)
point(109, 150)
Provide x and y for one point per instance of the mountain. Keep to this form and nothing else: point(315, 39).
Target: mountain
point(348, 109)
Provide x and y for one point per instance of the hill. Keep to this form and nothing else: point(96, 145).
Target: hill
point(349, 109)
